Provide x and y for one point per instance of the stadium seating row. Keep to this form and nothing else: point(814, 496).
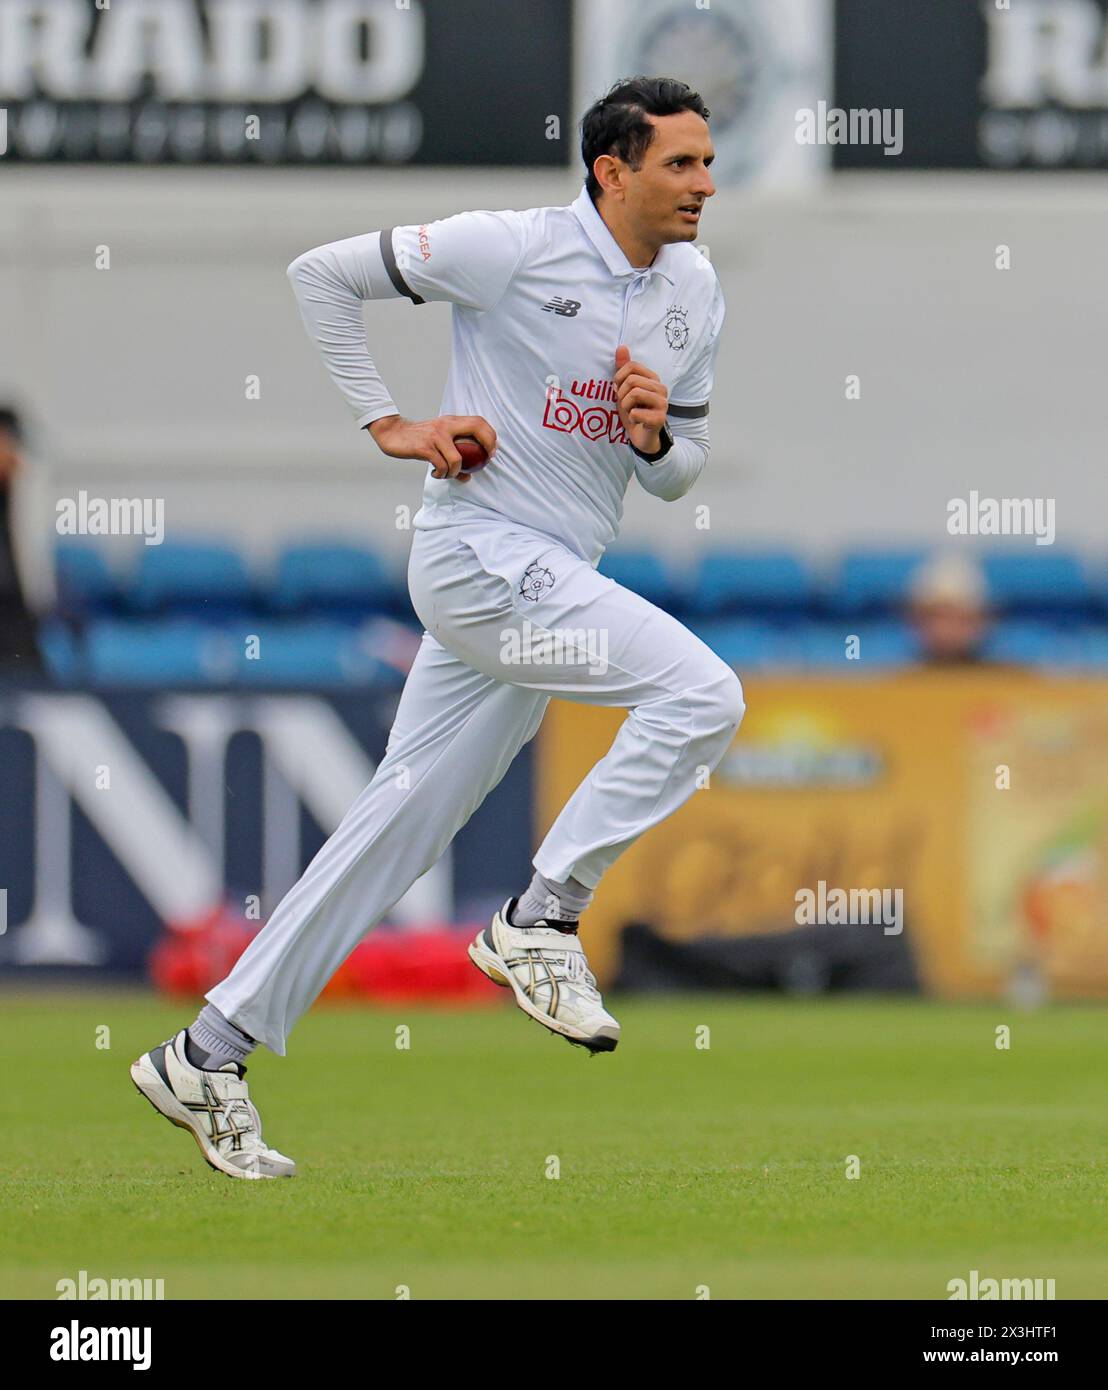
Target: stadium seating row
point(346, 582)
point(324, 653)
point(186, 652)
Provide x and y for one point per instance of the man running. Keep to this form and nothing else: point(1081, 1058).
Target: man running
point(584, 347)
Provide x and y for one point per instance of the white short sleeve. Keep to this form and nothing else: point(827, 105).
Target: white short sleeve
point(468, 259)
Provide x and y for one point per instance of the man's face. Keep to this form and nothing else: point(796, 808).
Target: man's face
point(674, 176)
point(949, 631)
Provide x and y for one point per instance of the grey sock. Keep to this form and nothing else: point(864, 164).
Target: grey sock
point(215, 1041)
point(548, 900)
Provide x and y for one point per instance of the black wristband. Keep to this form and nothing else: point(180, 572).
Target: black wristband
point(666, 438)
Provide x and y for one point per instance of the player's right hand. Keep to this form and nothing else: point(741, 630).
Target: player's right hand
point(432, 440)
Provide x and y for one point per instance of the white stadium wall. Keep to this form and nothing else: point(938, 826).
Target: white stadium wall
point(970, 377)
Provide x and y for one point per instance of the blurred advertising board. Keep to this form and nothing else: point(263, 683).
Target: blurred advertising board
point(981, 84)
point(341, 82)
point(976, 803)
point(123, 814)
point(755, 63)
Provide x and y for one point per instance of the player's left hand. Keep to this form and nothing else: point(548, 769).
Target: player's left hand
point(642, 401)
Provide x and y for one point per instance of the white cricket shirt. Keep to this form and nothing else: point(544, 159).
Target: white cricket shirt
point(542, 299)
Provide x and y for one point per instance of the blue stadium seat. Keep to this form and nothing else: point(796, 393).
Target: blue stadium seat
point(1094, 648)
point(62, 657)
point(86, 584)
point(170, 652)
point(1033, 584)
point(191, 577)
point(1023, 642)
point(331, 577)
point(875, 582)
point(881, 646)
point(752, 582)
point(646, 573)
point(744, 644)
point(312, 652)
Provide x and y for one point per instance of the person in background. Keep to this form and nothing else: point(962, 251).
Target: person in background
point(948, 608)
point(19, 648)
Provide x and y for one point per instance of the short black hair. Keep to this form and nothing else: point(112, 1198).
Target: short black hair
point(617, 124)
point(10, 421)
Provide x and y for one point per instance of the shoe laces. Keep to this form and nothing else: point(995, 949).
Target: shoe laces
point(579, 974)
point(240, 1113)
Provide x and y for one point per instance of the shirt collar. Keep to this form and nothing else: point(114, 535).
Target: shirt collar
point(596, 229)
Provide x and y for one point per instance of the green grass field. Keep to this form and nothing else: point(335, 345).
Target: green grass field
point(679, 1167)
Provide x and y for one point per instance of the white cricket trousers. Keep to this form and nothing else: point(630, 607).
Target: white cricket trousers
point(512, 617)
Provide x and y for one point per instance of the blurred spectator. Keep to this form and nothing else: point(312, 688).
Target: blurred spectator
point(19, 573)
point(948, 608)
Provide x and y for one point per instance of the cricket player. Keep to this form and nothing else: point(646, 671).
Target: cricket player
point(584, 346)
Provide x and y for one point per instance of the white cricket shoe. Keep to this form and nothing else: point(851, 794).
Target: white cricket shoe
point(547, 970)
point(214, 1106)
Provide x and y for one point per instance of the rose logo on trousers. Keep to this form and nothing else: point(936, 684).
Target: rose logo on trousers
point(536, 580)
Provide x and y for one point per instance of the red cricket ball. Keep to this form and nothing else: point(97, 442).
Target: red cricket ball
point(472, 452)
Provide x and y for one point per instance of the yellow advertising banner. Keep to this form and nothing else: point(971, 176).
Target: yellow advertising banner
point(981, 795)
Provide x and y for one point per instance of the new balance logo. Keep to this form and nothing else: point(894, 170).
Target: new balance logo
point(567, 308)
